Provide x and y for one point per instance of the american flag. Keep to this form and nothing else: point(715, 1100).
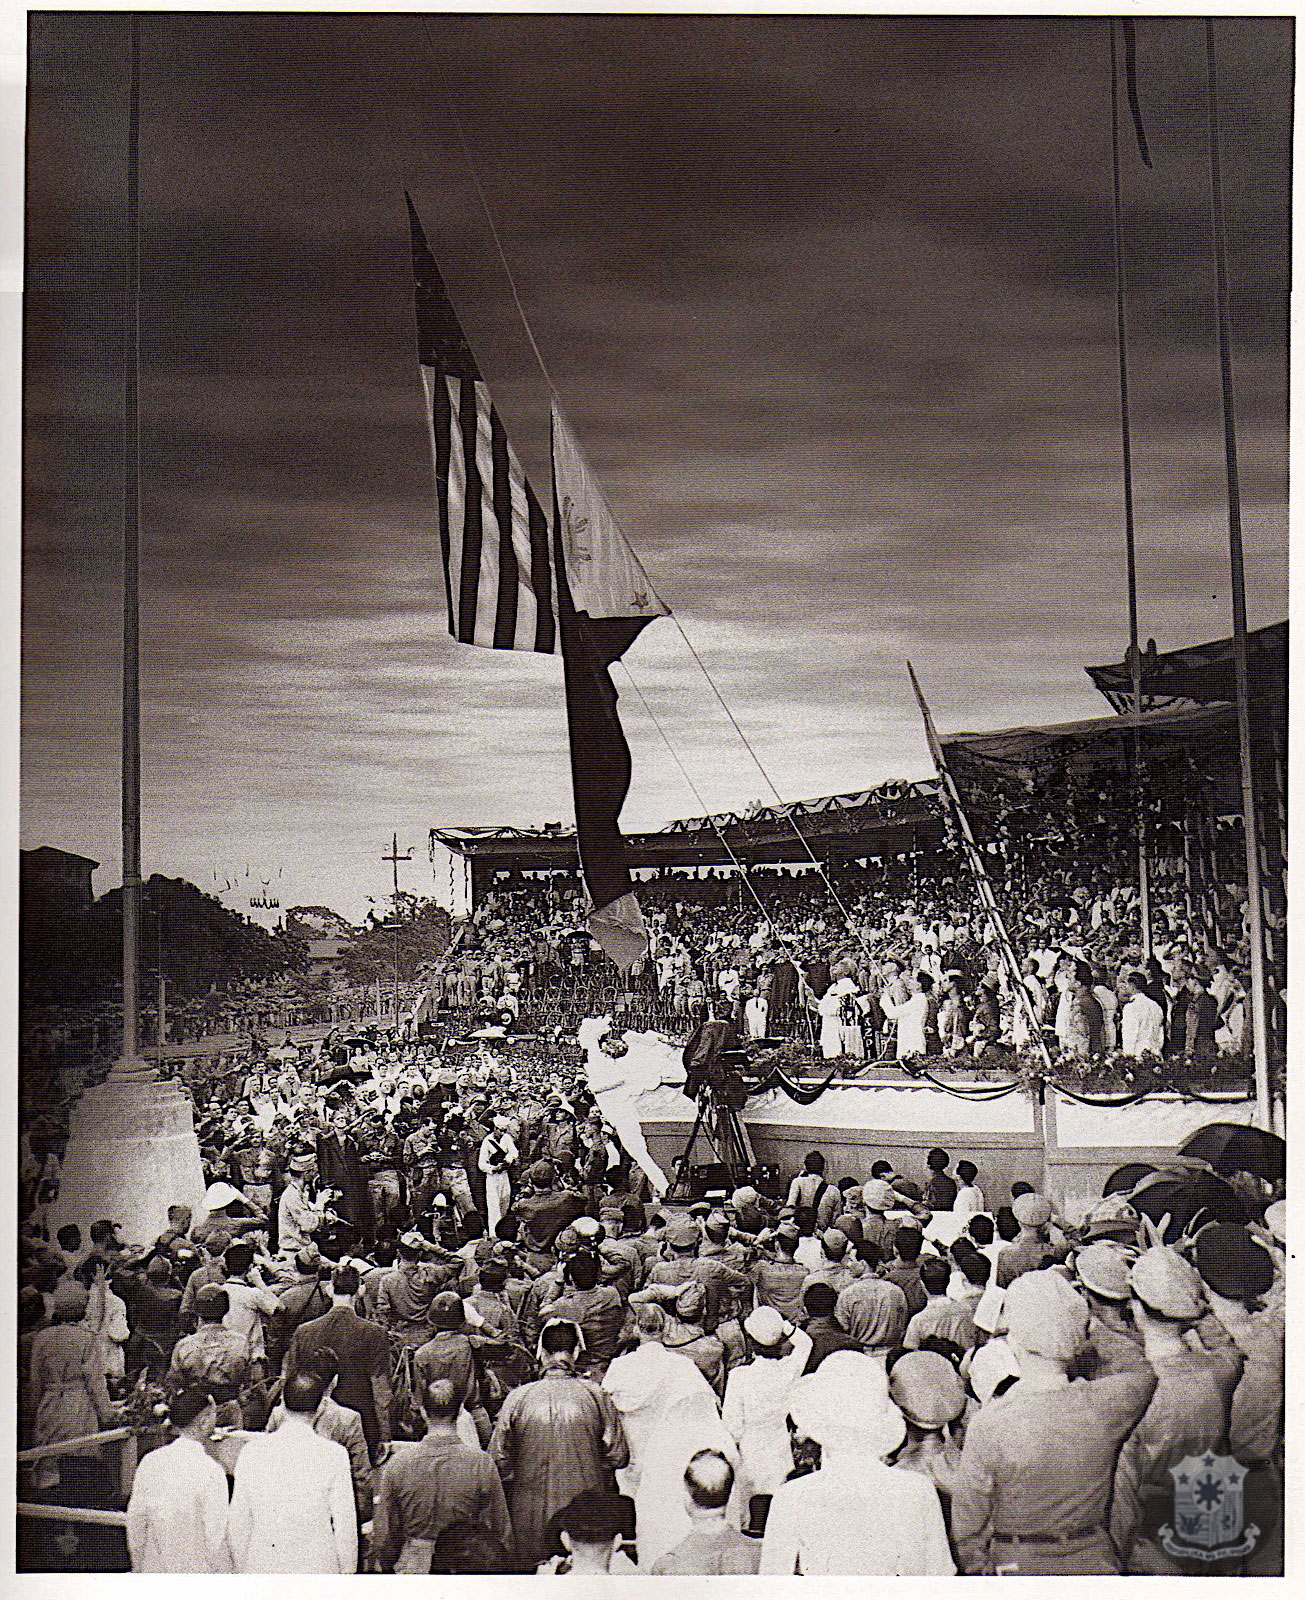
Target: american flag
point(494, 537)
point(517, 580)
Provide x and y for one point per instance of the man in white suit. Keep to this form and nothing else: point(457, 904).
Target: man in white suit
point(292, 1507)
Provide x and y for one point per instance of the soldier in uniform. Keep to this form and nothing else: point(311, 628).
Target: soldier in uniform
point(1114, 1343)
point(1186, 1415)
point(1033, 1492)
point(1244, 1292)
point(213, 1357)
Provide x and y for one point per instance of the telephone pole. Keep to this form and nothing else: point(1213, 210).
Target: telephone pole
point(394, 859)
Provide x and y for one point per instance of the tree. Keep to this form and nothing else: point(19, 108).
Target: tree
point(422, 932)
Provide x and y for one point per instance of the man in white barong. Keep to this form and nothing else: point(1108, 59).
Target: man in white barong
point(177, 1514)
point(498, 1153)
point(292, 1508)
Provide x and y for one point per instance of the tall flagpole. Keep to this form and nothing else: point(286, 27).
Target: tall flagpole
point(1251, 827)
point(983, 883)
point(131, 585)
point(1130, 545)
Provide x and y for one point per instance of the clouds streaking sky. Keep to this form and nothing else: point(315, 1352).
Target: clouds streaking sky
point(828, 302)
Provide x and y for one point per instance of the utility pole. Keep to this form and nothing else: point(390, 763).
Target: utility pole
point(394, 859)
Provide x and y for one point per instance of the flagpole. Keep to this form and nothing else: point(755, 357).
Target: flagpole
point(1130, 544)
point(1251, 826)
point(131, 883)
point(974, 858)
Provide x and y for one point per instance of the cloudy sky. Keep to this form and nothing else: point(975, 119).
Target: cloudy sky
point(829, 303)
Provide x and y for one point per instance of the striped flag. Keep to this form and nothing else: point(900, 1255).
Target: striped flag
point(494, 537)
point(516, 580)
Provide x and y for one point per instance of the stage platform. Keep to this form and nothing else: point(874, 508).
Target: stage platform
point(1061, 1146)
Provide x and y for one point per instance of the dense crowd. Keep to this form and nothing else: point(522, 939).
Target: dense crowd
point(432, 1318)
point(900, 966)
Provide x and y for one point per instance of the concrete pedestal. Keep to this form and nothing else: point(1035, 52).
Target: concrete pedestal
point(132, 1153)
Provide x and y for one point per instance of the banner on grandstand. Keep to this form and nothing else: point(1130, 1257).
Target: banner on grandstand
point(513, 583)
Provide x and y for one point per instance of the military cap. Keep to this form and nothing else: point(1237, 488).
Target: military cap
point(1165, 1283)
point(1103, 1268)
point(927, 1389)
point(682, 1233)
point(1032, 1210)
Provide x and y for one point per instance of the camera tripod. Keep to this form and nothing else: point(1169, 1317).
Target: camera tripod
point(720, 1125)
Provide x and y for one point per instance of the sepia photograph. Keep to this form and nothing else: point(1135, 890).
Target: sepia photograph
point(651, 919)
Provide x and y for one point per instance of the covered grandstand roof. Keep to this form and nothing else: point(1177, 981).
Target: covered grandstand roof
point(1201, 674)
point(889, 819)
point(1161, 730)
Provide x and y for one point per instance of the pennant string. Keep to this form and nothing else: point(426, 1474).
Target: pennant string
point(484, 205)
point(792, 822)
point(725, 844)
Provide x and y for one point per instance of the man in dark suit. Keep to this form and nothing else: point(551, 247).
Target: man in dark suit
point(362, 1350)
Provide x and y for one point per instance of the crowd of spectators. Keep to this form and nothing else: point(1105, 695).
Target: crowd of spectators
point(431, 1318)
point(881, 963)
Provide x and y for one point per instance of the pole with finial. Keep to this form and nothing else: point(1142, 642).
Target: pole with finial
point(131, 1062)
point(1251, 820)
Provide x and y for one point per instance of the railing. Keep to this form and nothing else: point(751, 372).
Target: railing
point(86, 1444)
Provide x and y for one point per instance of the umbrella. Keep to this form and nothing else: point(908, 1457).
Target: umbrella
point(1234, 1147)
point(1125, 1179)
point(1186, 1198)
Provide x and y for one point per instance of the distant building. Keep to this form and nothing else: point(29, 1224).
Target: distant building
point(324, 956)
point(53, 885)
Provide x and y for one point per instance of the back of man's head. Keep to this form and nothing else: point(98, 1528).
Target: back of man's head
point(440, 1401)
point(69, 1237)
point(935, 1274)
point(238, 1258)
point(303, 1393)
point(868, 1253)
point(980, 1228)
point(814, 1162)
point(559, 1338)
point(345, 1282)
point(582, 1269)
point(976, 1269)
point(709, 1480)
point(819, 1299)
point(493, 1276)
point(907, 1242)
